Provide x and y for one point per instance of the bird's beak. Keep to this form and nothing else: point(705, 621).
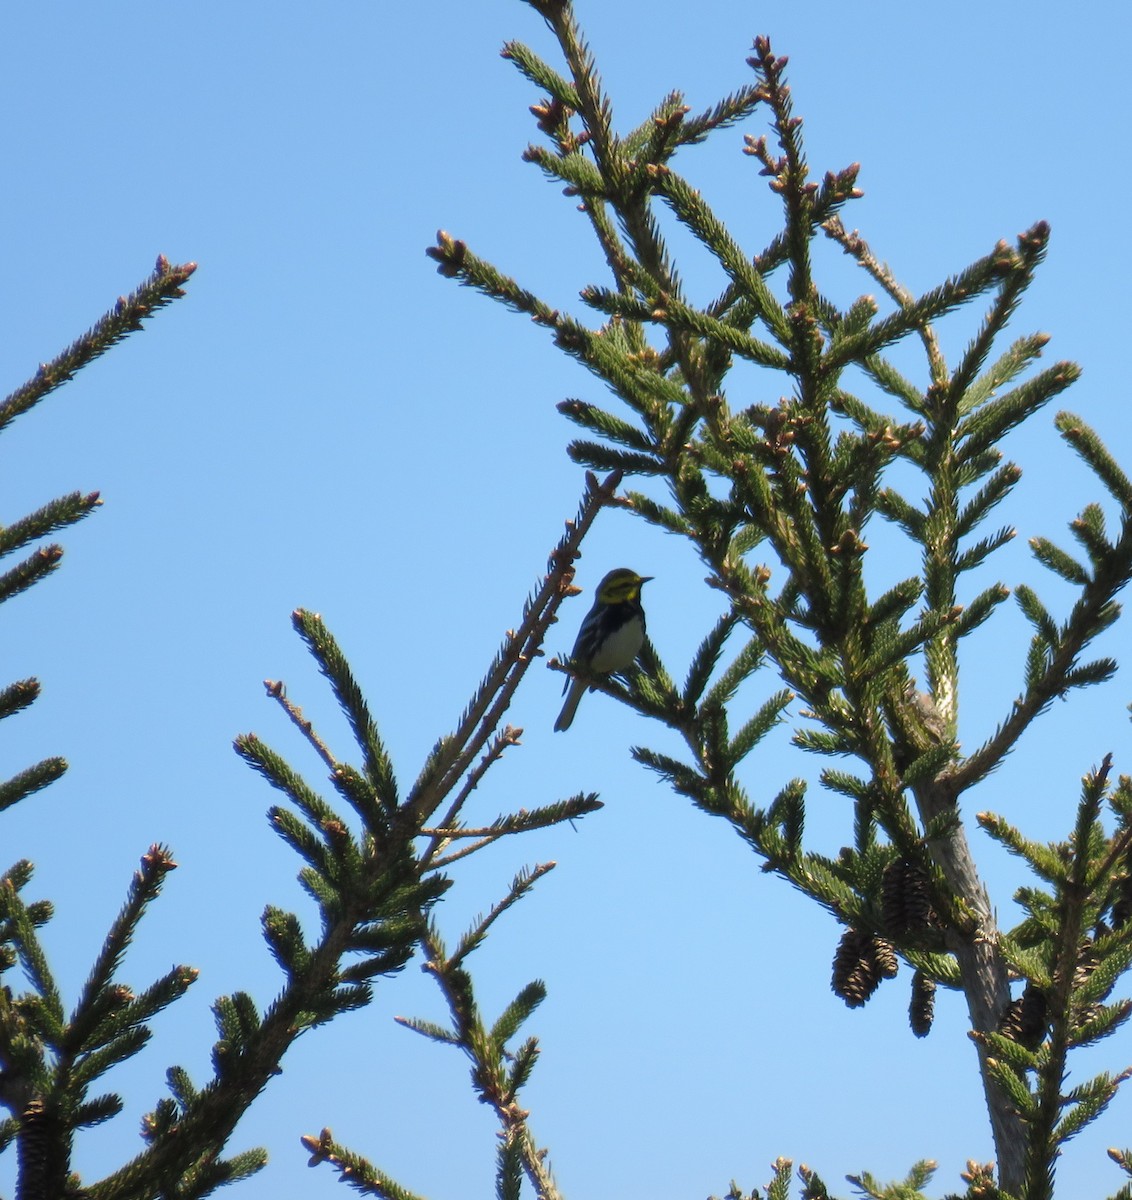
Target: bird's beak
point(645, 578)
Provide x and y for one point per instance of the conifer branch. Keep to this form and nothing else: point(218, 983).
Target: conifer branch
point(747, 280)
point(277, 690)
point(163, 286)
point(373, 889)
point(251, 1046)
point(856, 246)
point(1089, 446)
point(31, 780)
point(497, 1073)
point(353, 1169)
point(1069, 975)
point(57, 514)
point(455, 754)
point(593, 106)
point(33, 568)
point(728, 111)
point(1031, 250)
point(541, 75)
point(829, 197)
point(49, 1063)
point(144, 889)
point(789, 176)
point(332, 663)
point(508, 736)
point(496, 1082)
point(18, 696)
point(511, 823)
point(1060, 647)
point(520, 886)
point(456, 261)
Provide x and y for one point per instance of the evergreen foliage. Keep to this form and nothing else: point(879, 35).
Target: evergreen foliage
point(776, 499)
point(373, 859)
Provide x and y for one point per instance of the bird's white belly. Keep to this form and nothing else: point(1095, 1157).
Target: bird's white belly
point(620, 649)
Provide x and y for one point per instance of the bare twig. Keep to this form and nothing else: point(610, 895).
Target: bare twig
point(277, 690)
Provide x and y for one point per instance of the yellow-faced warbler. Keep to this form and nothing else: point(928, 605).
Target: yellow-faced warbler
point(611, 636)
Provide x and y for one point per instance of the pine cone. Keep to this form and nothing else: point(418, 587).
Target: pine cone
point(1122, 906)
point(1026, 1019)
point(906, 906)
point(861, 962)
point(921, 1008)
point(884, 958)
point(1087, 960)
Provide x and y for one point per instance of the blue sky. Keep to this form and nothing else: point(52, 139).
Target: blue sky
point(325, 422)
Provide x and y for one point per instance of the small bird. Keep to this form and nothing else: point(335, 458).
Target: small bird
point(611, 636)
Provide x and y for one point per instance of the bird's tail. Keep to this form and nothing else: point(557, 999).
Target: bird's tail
point(566, 716)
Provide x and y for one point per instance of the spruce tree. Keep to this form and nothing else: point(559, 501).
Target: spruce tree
point(776, 495)
point(777, 490)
